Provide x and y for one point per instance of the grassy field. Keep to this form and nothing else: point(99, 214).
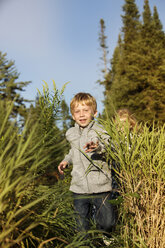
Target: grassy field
point(38, 212)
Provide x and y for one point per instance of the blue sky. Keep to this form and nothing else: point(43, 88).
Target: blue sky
point(58, 40)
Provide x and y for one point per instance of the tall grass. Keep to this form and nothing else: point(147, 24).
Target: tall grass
point(19, 166)
point(34, 212)
point(38, 214)
point(140, 170)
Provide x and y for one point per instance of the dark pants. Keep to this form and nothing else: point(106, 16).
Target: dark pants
point(104, 212)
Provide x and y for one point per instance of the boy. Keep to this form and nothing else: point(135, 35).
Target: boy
point(91, 181)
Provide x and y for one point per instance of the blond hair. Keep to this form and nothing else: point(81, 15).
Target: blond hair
point(83, 98)
point(125, 114)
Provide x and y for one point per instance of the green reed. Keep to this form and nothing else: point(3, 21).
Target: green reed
point(139, 160)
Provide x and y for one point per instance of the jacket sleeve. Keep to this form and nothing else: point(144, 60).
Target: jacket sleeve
point(68, 157)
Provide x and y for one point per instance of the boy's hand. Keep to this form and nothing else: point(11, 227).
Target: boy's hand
point(62, 166)
point(91, 146)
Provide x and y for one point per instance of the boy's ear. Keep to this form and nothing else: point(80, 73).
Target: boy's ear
point(95, 114)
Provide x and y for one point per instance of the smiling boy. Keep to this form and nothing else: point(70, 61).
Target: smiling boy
point(91, 181)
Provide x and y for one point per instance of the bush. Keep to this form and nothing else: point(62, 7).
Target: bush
point(140, 170)
point(26, 202)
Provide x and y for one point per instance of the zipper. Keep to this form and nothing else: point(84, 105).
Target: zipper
point(81, 131)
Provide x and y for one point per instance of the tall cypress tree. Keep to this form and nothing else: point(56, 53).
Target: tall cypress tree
point(111, 77)
point(123, 81)
point(149, 104)
point(10, 89)
point(157, 24)
point(137, 75)
point(103, 45)
point(131, 23)
point(116, 80)
point(104, 48)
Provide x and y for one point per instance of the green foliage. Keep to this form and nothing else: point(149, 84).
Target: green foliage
point(140, 171)
point(102, 41)
point(38, 214)
point(136, 78)
point(9, 87)
point(33, 214)
point(30, 210)
point(19, 165)
point(65, 116)
point(47, 113)
point(131, 23)
point(49, 104)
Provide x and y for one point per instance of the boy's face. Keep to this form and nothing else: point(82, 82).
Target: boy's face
point(83, 114)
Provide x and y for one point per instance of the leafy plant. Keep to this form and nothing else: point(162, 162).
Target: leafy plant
point(140, 171)
point(24, 200)
point(19, 166)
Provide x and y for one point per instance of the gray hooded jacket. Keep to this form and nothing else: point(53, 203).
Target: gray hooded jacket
point(87, 176)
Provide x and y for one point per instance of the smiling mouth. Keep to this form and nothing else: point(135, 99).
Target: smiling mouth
point(83, 120)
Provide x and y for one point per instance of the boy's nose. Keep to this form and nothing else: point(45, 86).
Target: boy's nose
point(81, 113)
